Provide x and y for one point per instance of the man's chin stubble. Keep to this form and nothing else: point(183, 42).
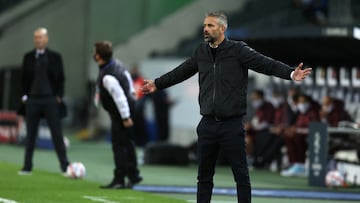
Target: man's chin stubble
point(208, 40)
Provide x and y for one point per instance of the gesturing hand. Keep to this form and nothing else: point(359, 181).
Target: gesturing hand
point(148, 87)
point(300, 74)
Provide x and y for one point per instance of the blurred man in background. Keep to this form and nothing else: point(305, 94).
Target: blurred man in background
point(140, 134)
point(292, 96)
point(162, 106)
point(258, 137)
point(43, 89)
point(281, 115)
point(117, 95)
point(222, 66)
point(280, 123)
point(332, 112)
point(296, 136)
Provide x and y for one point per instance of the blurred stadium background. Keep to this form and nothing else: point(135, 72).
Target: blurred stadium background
point(155, 36)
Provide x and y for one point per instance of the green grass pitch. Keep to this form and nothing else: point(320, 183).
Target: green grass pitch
point(46, 187)
point(49, 186)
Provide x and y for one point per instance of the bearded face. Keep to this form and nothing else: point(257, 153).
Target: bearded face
point(212, 30)
point(210, 37)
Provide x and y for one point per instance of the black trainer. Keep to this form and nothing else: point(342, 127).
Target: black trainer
point(113, 185)
point(133, 182)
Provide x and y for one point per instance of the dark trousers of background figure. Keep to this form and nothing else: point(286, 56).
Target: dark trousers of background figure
point(229, 136)
point(296, 148)
point(267, 148)
point(123, 151)
point(139, 133)
point(162, 108)
point(44, 107)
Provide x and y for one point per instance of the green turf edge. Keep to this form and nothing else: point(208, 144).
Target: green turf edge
point(47, 187)
point(232, 199)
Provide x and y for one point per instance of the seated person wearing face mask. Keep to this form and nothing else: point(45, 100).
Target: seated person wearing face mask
point(291, 99)
point(284, 116)
point(258, 136)
point(296, 135)
point(332, 112)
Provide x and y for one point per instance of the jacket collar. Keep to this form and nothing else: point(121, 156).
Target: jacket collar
point(107, 64)
point(224, 44)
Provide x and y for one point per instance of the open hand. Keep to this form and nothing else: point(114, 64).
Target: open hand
point(300, 74)
point(148, 87)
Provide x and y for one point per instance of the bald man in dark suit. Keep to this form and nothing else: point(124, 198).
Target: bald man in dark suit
point(43, 89)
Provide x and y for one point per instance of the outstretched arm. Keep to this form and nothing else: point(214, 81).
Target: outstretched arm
point(177, 75)
point(299, 74)
point(266, 65)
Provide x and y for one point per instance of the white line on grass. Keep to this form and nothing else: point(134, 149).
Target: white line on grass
point(132, 198)
point(3, 200)
point(214, 201)
point(98, 199)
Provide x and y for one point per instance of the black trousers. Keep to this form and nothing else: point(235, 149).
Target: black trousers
point(229, 136)
point(124, 152)
point(46, 107)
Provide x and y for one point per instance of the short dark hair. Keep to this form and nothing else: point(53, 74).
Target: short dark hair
point(104, 49)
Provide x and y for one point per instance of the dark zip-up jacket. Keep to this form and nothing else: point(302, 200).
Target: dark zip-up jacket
point(223, 79)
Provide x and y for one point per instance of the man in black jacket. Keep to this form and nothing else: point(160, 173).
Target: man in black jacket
point(117, 95)
point(223, 66)
point(43, 89)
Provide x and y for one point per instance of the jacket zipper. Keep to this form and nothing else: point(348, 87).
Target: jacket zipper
point(214, 92)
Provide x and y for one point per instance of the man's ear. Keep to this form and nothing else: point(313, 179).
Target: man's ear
point(223, 29)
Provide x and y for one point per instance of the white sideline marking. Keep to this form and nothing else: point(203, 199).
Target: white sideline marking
point(3, 200)
point(213, 201)
point(98, 199)
point(132, 198)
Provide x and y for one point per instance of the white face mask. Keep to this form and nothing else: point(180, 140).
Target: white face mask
point(277, 101)
point(257, 103)
point(327, 109)
point(303, 107)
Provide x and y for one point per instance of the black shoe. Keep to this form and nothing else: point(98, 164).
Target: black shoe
point(113, 185)
point(133, 182)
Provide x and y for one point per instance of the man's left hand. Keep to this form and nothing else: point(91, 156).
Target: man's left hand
point(300, 74)
point(128, 123)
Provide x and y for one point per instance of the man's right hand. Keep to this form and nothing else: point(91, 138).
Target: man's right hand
point(148, 87)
